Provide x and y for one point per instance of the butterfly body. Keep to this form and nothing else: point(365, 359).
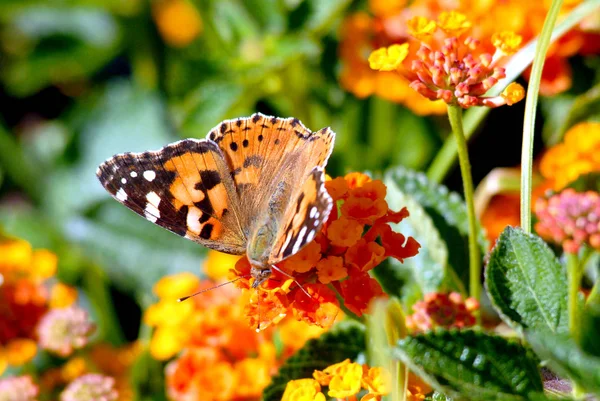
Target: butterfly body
point(254, 186)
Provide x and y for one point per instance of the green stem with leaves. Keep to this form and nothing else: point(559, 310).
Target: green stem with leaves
point(456, 122)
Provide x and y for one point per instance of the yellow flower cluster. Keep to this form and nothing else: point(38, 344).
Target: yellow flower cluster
point(578, 154)
point(344, 380)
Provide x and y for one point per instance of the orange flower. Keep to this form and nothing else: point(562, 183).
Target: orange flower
point(337, 188)
point(358, 290)
point(344, 232)
point(365, 255)
point(366, 203)
point(347, 381)
point(331, 269)
point(346, 242)
point(304, 260)
point(578, 154)
point(321, 308)
point(178, 21)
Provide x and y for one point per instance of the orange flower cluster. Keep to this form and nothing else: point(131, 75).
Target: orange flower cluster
point(387, 24)
point(25, 298)
point(345, 380)
point(442, 310)
point(218, 356)
point(449, 65)
point(356, 237)
point(578, 154)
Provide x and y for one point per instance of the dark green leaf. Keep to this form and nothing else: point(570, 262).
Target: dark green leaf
point(590, 328)
point(567, 359)
point(345, 340)
point(472, 365)
point(526, 282)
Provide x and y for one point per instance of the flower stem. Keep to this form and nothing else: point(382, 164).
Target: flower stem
point(574, 282)
point(530, 108)
point(455, 117)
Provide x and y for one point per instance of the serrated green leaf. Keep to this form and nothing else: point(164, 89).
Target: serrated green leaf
point(471, 365)
point(567, 359)
point(424, 272)
point(345, 340)
point(526, 282)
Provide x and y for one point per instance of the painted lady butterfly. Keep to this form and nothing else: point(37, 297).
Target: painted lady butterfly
point(255, 185)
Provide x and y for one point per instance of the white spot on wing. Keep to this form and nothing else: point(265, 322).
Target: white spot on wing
point(287, 240)
point(121, 195)
point(133, 174)
point(313, 212)
point(311, 235)
point(149, 175)
point(299, 240)
point(123, 181)
point(151, 212)
point(193, 223)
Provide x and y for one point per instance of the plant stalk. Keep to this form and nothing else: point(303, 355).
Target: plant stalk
point(456, 122)
point(574, 279)
point(530, 109)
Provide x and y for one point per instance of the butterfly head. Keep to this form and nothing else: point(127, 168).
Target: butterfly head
point(260, 275)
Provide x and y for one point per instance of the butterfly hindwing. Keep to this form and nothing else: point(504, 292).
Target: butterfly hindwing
point(303, 218)
point(260, 151)
point(185, 187)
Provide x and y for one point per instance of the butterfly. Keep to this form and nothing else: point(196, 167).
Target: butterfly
point(255, 185)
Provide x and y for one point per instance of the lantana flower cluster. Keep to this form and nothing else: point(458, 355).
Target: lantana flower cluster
point(350, 381)
point(578, 154)
point(355, 239)
point(217, 355)
point(450, 65)
point(39, 312)
point(385, 24)
point(35, 313)
point(345, 380)
point(442, 310)
point(570, 218)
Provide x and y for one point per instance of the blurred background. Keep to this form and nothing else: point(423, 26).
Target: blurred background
point(81, 80)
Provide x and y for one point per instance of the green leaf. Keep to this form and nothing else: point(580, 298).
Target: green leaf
point(345, 340)
point(445, 209)
point(471, 365)
point(323, 13)
point(526, 282)
point(424, 272)
point(567, 359)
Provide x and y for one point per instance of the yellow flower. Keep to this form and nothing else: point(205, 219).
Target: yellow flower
point(421, 27)
point(74, 368)
point(513, 93)
point(218, 264)
point(303, 390)
point(377, 381)
point(176, 286)
point(347, 381)
point(388, 58)
point(507, 42)
point(62, 295)
point(453, 22)
point(324, 377)
point(43, 263)
point(19, 351)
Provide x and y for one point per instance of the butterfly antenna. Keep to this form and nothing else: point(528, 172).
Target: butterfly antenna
point(292, 277)
point(212, 288)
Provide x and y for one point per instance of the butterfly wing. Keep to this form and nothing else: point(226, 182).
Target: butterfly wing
point(260, 151)
point(303, 217)
point(185, 187)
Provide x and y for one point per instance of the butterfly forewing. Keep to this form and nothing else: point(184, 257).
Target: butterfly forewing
point(186, 187)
